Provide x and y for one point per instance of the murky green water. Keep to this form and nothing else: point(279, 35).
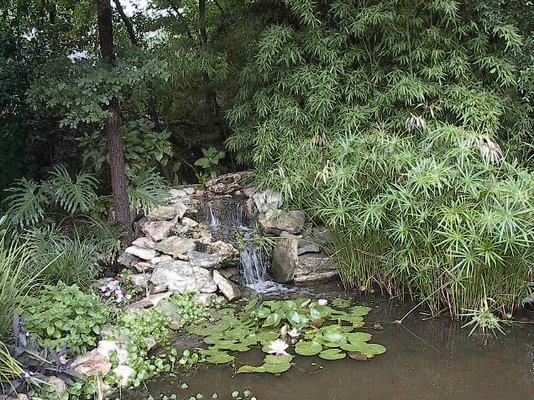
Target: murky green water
point(429, 360)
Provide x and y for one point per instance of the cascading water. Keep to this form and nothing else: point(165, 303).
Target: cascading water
point(227, 218)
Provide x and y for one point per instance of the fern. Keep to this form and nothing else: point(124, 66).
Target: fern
point(27, 203)
point(147, 190)
point(72, 195)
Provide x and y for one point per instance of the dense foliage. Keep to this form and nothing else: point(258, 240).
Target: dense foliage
point(65, 317)
point(405, 127)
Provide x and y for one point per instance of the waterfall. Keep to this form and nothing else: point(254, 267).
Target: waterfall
point(227, 218)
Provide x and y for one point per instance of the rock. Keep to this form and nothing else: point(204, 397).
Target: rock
point(267, 200)
point(202, 234)
point(177, 193)
point(250, 209)
point(225, 251)
point(204, 260)
point(180, 276)
point(143, 266)
point(142, 253)
point(176, 246)
point(249, 190)
point(175, 319)
point(140, 280)
point(144, 242)
point(58, 384)
point(158, 259)
point(306, 245)
point(314, 267)
point(285, 258)
point(127, 260)
point(149, 301)
point(191, 223)
point(124, 373)
point(227, 288)
point(230, 273)
point(158, 230)
point(206, 299)
point(189, 191)
point(278, 221)
point(227, 183)
point(162, 213)
point(91, 364)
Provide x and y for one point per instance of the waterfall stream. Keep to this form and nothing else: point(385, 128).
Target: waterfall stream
point(227, 219)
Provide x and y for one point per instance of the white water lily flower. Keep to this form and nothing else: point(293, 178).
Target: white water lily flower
point(278, 347)
point(322, 302)
point(294, 333)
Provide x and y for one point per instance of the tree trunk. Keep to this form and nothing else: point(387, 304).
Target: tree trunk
point(117, 165)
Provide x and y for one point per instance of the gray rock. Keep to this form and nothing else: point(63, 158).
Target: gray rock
point(278, 221)
point(172, 312)
point(177, 193)
point(148, 302)
point(306, 245)
point(191, 223)
point(142, 253)
point(162, 213)
point(227, 183)
point(144, 242)
point(158, 230)
point(143, 266)
point(176, 246)
point(230, 273)
point(204, 260)
point(158, 259)
point(227, 253)
point(206, 299)
point(285, 258)
point(189, 190)
point(180, 276)
point(227, 288)
point(91, 364)
point(59, 386)
point(140, 280)
point(267, 200)
point(314, 267)
point(127, 259)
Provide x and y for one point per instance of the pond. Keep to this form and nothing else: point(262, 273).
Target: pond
point(430, 359)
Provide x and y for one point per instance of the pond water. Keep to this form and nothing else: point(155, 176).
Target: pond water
point(426, 359)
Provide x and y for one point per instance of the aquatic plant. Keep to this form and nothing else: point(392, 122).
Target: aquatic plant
point(275, 325)
point(189, 309)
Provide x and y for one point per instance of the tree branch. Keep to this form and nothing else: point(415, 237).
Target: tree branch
point(127, 23)
point(183, 20)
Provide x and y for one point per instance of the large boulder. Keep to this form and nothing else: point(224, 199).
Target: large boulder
point(176, 247)
point(313, 267)
point(279, 221)
point(228, 289)
point(285, 258)
point(267, 200)
point(158, 230)
point(180, 276)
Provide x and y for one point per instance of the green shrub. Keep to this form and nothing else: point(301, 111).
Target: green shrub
point(14, 281)
point(63, 316)
point(385, 119)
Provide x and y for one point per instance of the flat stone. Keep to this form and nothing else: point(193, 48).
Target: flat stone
point(227, 183)
point(191, 223)
point(149, 301)
point(307, 246)
point(279, 221)
point(267, 200)
point(181, 276)
point(189, 190)
point(158, 259)
point(142, 253)
point(124, 373)
point(227, 253)
point(91, 364)
point(176, 246)
point(204, 260)
point(285, 258)
point(162, 213)
point(227, 288)
point(144, 242)
point(158, 230)
point(313, 267)
point(176, 193)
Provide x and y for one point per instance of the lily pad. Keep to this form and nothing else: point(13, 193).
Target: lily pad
point(373, 349)
point(358, 337)
point(341, 303)
point(305, 348)
point(332, 354)
point(360, 311)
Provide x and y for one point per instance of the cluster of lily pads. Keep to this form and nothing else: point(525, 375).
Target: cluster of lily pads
point(312, 327)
